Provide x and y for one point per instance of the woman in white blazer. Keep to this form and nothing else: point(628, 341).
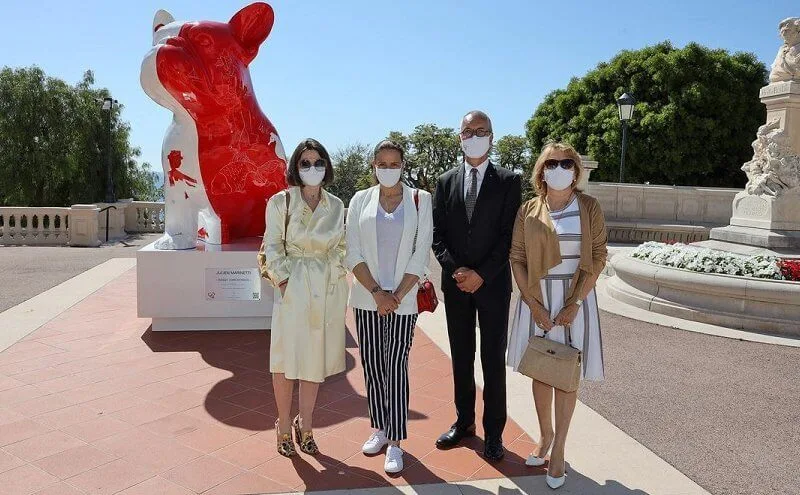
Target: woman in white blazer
point(389, 236)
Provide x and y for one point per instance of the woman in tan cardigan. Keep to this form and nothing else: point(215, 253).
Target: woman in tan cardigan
point(557, 254)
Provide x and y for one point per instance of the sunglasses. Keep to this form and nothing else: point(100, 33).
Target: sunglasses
point(480, 132)
point(566, 164)
point(319, 164)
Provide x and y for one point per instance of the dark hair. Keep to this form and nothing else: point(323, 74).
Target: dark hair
point(293, 170)
point(388, 144)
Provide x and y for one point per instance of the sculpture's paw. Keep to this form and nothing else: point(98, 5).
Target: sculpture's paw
point(177, 242)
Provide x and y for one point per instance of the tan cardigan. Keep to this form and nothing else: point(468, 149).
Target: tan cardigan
point(535, 246)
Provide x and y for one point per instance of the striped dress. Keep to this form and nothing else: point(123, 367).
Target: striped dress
point(585, 329)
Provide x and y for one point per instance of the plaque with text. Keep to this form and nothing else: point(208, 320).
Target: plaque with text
point(233, 284)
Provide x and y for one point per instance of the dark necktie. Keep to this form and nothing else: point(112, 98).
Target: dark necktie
point(472, 193)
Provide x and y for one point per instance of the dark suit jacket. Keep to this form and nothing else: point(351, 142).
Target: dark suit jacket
point(484, 243)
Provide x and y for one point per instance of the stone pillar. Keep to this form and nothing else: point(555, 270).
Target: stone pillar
point(589, 166)
point(766, 220)
point(83, 226)
point(116, 220)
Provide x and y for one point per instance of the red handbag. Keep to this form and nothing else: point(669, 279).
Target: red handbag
point(426, 293)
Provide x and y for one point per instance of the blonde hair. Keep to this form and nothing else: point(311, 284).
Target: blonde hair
point(537, 178)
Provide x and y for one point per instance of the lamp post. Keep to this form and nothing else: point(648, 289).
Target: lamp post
point(108, 106)
point(625, 105)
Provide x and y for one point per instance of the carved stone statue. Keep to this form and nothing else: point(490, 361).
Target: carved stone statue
point(786, 66)
point(775, 166)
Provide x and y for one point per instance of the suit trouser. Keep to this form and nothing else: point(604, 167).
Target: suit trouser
point(492, 313)
point(384, 343)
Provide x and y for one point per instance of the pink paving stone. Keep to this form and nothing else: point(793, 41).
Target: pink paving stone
point(8, 461)
point(247, 483)
point(203, 473)
point(207, 401)
point(67, 416)
point(96, 429)
point(114, 403)
point(42, 446)
point(208, 438)
point(59, 488)
point(110, 478)
point(6, 382)
point(157, 485)
point(20, 394)
point(74, 461)
point(20, 430)
point(25, 480)
point(247, 453)
point(9, 416)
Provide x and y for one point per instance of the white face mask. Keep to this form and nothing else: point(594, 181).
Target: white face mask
point(558, 178)
point(312, 176)
point(388, 177)
point(476, 147)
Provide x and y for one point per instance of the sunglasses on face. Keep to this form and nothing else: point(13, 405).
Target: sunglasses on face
point(319, 164)
point(480, 132)
point(566, 164)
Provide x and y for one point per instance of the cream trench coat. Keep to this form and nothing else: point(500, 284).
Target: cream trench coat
point(307, 340)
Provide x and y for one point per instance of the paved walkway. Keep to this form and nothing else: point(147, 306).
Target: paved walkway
point(681, 405)
point(95, 402)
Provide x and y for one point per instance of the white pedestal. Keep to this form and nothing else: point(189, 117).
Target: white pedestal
point(172, 288)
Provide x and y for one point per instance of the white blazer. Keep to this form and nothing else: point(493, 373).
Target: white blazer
point(362, 244)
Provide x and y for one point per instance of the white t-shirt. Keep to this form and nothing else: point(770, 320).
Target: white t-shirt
point(389, 233)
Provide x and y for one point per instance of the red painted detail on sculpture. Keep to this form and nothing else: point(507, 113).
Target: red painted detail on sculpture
point(158, 26)
point(175, 159)
point(205, 68)
point(202, 233)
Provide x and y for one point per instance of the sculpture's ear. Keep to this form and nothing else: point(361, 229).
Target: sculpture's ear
point(251, 26)
point(161, 19)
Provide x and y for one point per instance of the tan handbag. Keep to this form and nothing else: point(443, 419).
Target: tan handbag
point(551, 362)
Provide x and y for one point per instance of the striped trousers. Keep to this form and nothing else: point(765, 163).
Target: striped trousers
point(384, 343)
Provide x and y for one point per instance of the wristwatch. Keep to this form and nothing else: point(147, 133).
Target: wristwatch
point(579, 302)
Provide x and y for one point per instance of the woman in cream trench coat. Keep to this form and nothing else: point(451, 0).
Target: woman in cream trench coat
point(306, 265)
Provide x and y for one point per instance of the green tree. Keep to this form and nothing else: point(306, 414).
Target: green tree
point(430, 151)
point(697, 113)
point(512, 152)
point(351, 165)
point(53, 139)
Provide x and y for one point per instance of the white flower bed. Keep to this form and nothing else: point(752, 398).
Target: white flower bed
point(709, 260)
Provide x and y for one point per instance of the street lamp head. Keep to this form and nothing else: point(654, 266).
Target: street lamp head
point(107, 103)
point(625, 104)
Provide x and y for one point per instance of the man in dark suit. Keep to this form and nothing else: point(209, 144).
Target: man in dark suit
point(474, 210)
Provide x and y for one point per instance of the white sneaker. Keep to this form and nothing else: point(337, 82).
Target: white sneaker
point(375, 443)
point(394, 459)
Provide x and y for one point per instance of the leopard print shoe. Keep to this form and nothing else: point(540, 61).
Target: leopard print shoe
point(304, 440)
point(285, 442)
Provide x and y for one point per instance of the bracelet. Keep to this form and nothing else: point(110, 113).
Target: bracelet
point(375, 289)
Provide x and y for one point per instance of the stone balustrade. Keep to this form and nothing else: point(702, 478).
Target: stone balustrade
point(34, 226)
point(639, 213)
point(144, 217)
point(78, 225)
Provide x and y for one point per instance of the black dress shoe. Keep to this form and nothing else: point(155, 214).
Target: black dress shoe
point(493, 449)
point(453, 436)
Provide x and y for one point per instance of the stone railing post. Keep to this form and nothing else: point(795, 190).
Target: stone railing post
point(589, 166)
point(83, 228)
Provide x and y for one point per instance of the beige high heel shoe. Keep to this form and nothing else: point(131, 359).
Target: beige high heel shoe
point(304, 440)
point(285, 442)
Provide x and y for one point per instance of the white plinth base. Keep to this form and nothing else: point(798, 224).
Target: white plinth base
point(171, 289)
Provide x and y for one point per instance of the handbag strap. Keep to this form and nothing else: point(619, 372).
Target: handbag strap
point(286, 221)
point(416, 231)
point(567, 332)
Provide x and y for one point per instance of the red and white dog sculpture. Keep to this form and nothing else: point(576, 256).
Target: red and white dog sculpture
point(222, 157)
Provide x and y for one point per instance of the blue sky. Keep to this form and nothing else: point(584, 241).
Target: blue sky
point(347, 71)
